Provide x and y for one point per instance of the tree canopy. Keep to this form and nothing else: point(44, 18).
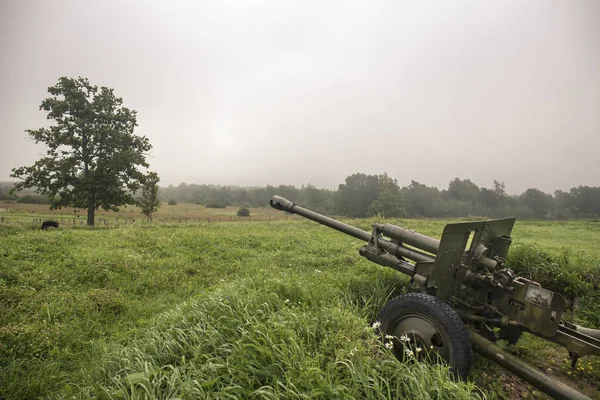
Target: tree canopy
point(150, 202)
point(93, 159)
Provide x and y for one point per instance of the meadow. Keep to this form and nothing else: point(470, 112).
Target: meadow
point(179, 213)
point(269, 309)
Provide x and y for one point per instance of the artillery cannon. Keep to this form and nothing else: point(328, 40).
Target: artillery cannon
point(464, 297)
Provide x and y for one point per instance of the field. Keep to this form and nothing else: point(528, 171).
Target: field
point(180, 213)
point(271, 309)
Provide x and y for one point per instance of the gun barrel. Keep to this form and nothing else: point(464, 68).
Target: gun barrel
point(411, 237)
point(283, 204)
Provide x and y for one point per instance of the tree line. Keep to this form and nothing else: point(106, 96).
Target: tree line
point(94, 160)
point(362, 195)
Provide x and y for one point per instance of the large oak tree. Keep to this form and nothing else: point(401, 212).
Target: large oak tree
point(93, 159)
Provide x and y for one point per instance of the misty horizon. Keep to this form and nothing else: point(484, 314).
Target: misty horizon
point(278, 92)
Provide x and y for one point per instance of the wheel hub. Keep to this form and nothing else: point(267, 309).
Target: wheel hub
point(419, 336)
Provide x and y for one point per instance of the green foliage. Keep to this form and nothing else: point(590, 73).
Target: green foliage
point(540, 203)
point(150, 202)
point(364, 195)
point(7, 196)
point(107, 301)
point(92, 156)
point(172, 202)
point(33, 199)
point(575, 275)
point(269, 340)
point(582, 201)
point(463, 190)
point(354, 198)
point(320, 200)
point(243, 212)
point(388, 204)
point(421, 200)
point(265, 315)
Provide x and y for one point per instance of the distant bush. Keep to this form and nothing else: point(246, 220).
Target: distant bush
point(243, 212)
point(216, 205)
point(7, 196)
point(33, 199)
point(172, 202)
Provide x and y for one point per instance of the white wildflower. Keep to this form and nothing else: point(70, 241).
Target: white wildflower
point(287, 301)
point(376, 325)
point(318, 271)
point(389, 345)
point(409, 352)
point(404, 338)
point(388, 337)
point(418, 349)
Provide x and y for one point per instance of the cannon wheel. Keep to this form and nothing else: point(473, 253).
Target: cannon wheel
point(430, 329)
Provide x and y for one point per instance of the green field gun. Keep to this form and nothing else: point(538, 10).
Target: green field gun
point(464, 297)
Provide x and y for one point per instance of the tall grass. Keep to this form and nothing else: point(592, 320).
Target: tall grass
point(277, 310)
point(269, 340)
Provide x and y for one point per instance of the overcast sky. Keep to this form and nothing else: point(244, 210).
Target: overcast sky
point(291, 92)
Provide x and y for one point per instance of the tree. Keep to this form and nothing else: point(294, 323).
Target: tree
point(464, 190)
point(150, 201)
point(422, 200)
point(585, 201)
point(489, 199)
point(540, 203)
point(388, 204)
point(93, 156)
point(354, 197)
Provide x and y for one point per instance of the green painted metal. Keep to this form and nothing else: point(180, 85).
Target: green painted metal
point(534, 376)
point(467, 268)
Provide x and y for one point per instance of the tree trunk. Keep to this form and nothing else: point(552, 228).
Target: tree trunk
point(91, 209)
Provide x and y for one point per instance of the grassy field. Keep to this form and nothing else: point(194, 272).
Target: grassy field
point(254, 310)
point(180, 213)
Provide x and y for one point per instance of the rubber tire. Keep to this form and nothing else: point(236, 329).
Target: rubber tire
point(446, 319)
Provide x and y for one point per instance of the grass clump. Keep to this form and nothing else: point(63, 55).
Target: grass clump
point(265, 340)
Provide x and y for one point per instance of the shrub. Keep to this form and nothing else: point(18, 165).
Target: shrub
point(243, 212)
point(172, 202)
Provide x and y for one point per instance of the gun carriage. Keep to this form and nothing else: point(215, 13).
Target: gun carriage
point(464, 297)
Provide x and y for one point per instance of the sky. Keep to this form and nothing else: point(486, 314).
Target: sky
point(276, 92)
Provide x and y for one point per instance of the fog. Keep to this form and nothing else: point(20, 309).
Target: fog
point(281, 92)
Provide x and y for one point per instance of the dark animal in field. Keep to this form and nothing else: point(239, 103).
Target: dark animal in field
point(49, 224)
